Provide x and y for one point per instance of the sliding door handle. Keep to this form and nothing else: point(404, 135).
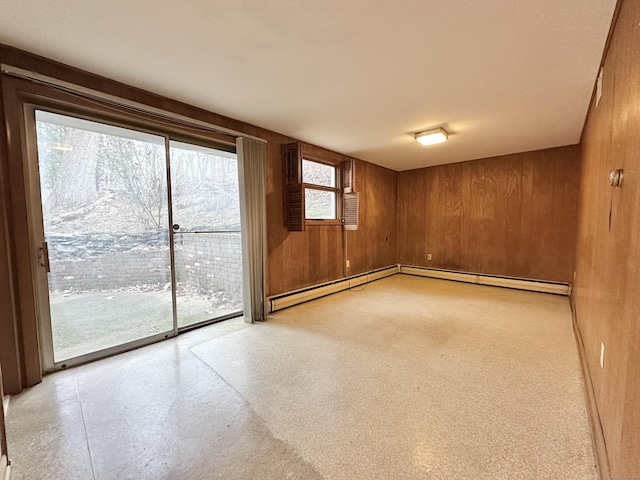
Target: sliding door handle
point(43, 257)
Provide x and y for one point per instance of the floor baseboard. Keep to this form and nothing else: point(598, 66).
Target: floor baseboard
point(599, 445)
point(296, 297)
point(531, 285)
point(289, 299)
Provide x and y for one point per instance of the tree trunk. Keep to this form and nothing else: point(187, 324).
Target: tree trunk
point(76, 183)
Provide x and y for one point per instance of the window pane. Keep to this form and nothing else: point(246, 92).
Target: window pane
point(318, 173)
point(319, 204)
point(204, 188)
point(104, 205)
point(207, 246)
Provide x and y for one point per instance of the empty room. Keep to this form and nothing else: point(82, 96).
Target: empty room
point(320, 240)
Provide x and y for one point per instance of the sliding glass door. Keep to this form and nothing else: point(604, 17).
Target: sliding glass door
point(104, 209)
point(112, 279)
point(206, 233)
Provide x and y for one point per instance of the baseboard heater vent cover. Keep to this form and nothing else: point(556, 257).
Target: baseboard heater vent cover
point(494, 281)
point(278, 302)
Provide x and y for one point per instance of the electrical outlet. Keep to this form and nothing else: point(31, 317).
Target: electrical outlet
point(348, 263)
point(601, 354)
point(428, 256)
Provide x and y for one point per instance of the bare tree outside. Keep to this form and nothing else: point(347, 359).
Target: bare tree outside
point(81, 170)
point(205, 190)
point(106, 214)
point(136, 170)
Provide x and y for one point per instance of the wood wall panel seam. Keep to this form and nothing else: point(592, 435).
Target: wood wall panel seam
point(505, 205)
point(292, 263)
point(608, 247)
point(595, 423)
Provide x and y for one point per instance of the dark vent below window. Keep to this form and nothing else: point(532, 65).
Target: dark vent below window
point(350, 210)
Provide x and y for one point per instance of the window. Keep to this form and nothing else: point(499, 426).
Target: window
point(320, 190)
point(313, 189)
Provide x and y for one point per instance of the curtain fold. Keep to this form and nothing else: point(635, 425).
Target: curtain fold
point(251, 173)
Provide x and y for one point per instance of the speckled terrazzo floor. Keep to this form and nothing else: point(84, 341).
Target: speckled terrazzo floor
point(409, 378)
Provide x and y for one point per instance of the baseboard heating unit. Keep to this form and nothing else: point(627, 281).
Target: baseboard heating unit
point(285, 300)
point(278, 302)
point(494, 281)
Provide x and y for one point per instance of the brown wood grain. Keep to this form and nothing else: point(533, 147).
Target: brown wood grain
point(9, 338)
point(606, 291)
point(513, 215)
point(21, 246)
point(302, 259)
point(374, 244)
point(295, 259)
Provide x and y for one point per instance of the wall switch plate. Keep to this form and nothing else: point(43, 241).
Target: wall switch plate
point(348, 263)
point(428, 256)
point(601, 354)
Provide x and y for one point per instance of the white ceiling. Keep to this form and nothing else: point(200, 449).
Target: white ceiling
point(356, 76)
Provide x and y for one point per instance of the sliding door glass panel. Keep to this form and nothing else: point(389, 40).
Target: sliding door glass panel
point(206, 233)
point(104, 202)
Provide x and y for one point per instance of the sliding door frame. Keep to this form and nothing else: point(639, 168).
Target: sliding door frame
point(23, 98)
point(220, 318)
point(38, 235)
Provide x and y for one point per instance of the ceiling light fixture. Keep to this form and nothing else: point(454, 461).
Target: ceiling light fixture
point(431, 137)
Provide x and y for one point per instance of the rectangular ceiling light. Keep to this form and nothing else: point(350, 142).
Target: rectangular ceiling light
point(431, 137)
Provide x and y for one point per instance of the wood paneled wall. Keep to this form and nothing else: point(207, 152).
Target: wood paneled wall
point(374, 244)
point(299, 259)
point(295, 260)
point(513, 215)
point(607, 286)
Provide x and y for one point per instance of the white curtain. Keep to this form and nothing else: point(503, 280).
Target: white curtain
point(251, 172)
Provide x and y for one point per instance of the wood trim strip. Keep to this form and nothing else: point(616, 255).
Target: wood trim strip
point(11, 375)
point(320, 222)
point(21, 238)
point(599, 445)
point(3, 432)
point(315, 186)
point(605, 51)
point(121, 102)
